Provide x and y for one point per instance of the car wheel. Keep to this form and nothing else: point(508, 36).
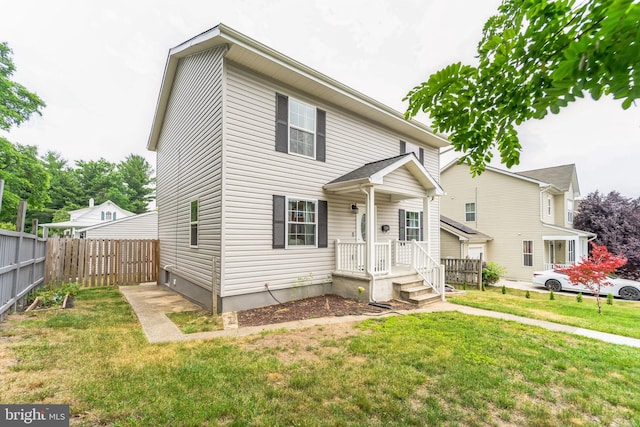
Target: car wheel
point(630, 293)
point(553, 285)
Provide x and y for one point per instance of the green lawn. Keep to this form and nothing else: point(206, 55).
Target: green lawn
point(621, 318)
point(441, 369)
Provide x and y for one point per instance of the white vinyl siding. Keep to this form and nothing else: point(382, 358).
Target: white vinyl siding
point(143, 226)
point(254, 171)
point(189, 166)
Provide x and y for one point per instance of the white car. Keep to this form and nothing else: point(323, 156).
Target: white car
point(554, 281)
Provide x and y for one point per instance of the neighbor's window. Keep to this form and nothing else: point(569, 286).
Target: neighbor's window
point(108, 216)
point(193, 224)
point(570, 211)
point(302, 128)
point(301, 222)
point(469, 211)
point(571, 251)
point(527, 253)
point(412, 225)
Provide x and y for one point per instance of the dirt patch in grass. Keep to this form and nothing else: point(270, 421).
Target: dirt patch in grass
point(310, 308)
point(301, 344)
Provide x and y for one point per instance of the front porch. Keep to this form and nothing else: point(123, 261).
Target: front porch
point(401, 270)
point(381, 270)
point(564, 251)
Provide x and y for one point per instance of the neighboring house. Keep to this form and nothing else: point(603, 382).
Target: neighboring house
point(528, 214)
point(461, 241)
point(87, 217)
point(141, 226)
point(263, 164)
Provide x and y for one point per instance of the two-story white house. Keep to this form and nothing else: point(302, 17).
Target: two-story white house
point(90, 216)
point(274, 180)
point(529, 216)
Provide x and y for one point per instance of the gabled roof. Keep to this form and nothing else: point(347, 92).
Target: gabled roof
point(262, 59)
point(374, 173)
point(462, 231)
point(559, 176)
point(78, 213)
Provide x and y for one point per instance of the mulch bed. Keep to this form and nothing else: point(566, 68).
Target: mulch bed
point(310, 308)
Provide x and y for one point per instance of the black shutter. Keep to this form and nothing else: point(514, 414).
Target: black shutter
point(402, 222)
point(422, 156)
point(279, 223)
point(282, 123)
point(403, 147)
point(322, 224)
point(421, 228)
point(321, 135)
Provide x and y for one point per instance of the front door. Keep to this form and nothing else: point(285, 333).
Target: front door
point(361, 225)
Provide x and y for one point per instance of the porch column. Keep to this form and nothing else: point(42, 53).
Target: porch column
point(426, 221)
point(371, 230)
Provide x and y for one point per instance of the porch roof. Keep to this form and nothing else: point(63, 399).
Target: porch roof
point(462, 231)
point(570, 231)
point(374, 173)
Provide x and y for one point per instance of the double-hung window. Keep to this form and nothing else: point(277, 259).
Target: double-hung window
point(527, 253)
point(570, 211)
point(301, 222)
point(193, 224)
point(302, 128)
point(470, 212)
point(412, 225)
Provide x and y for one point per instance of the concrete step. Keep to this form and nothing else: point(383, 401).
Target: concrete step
point(407, 282)
point(422, 300)
point(408, 293)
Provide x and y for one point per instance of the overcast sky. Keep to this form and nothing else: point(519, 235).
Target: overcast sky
point(99, 65)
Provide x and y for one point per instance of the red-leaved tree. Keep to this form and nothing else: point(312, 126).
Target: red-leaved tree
point(594, 271)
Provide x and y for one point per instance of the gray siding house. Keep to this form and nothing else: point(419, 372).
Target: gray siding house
point(274, 180)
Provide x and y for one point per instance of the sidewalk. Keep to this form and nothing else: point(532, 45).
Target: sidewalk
point(150, 303)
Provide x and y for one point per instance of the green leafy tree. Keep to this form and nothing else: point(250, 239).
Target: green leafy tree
point(137, 174)
point(100, 180)
point(535, 56)
point(17, 104)
point(25, 178)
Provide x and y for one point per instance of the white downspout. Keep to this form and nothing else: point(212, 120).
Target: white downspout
point(370, 242)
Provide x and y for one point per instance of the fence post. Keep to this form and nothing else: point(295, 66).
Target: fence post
point(22, 212)
point(480, 272)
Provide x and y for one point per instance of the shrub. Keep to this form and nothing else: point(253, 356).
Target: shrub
point(491, 273)
point(579, 297)
point(609, 299)
point(552, 296)
point(504, 289)
point(527, 295)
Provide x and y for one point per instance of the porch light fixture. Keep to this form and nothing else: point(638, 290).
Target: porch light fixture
point(385, 228)
point(354, 209)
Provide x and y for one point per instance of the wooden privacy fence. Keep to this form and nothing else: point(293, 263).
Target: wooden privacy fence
point(459, 271)
point(101, 262)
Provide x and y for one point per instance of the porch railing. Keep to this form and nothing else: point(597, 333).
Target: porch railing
point(429, 269)
point(352, 258)
point(551, 266)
